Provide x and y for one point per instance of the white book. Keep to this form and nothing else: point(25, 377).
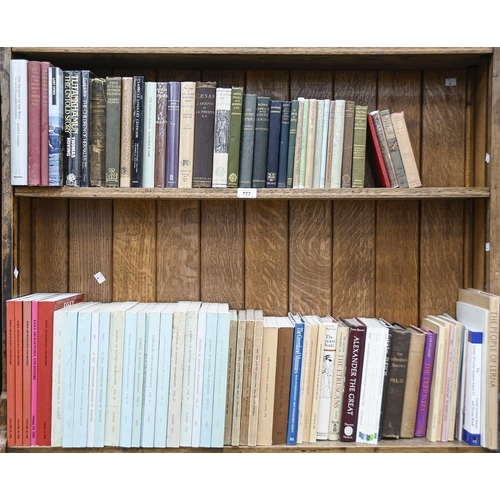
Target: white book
point(198, 379)
point(143, 426)
point(238, 377)
point(149, 135)
point(221, 136)
point(176, 372)
point(208, 376)
point(318, 144)
point(163, 383)
point(128, 372)
point(324, 145)
point(56, 125)
point(19, 122)
point(115, 368)
point(220, 377)
point(338, 144)
point(188, 378)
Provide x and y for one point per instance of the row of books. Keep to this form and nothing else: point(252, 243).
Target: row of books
point(195, 374)
point(72, 128)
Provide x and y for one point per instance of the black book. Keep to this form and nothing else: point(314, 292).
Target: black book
point(72, 127)
point(137, 129)
point(284, 140)
point(113, 130)
point(273, 148)
point(259, 168)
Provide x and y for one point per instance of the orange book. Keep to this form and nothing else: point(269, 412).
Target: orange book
point(18, 368)
point(11, 373)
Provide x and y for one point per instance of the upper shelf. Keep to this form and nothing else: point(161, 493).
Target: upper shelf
point(268, 194)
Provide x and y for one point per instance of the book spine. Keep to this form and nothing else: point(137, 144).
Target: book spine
point(86, 90)
point(198, 377)
point(34, 379)
point(137, 131)
point(238, 379)
point(126, 131)
point(341, 174)
point(234, 137)
point(329, 145)
point(324, 145)
point(375, 158)
point(94, 346)
point(338, 383)
point(113, 130)
point(186, 134)
point(149, 135)
point(261, 142)
point(284, 144)
point(471, 433)
point(57, 378)
point(359, 147)
point(247, 377)
point(19, 381)
point(292, 138)
point(347, 145)
point(318, 144)
point(56, 126)
point(11, 354)
point(18, 122)
point(384, 148)
point(44, 123)
point(231, 366)
point(72, 127)
point(34, 123)
point(253, 417)
point(392, 144)
point(139, 426)
point(204, 134)
point(101, 379)
point(273, 150)
point(311, 143)
point(221, 137)
point(247, 139)
point(97, 157)
point(161, 133)
point(303, 145)
point(173, 131)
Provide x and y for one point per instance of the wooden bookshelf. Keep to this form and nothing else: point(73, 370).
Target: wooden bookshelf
point(395, 253)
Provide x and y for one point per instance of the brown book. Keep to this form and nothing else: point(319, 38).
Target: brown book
point(283, 376)
point(348, 144)
point(161, 133)
point(126, 132)
point(113, 130)
point(231, 364)
point(412, 387)
point(247, 377)
point(97, 154)
point(186, 134)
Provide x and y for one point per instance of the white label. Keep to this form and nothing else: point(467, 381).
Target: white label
point(487, 247)
point(450, 82)
point(99, 278)
point(487, 158)
point(16, 273)
point(247, 192)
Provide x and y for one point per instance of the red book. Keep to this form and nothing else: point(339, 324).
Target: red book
point(34, 125)
point(11, 372)
point(354, 370)
point(18, 392)
point(46, 308)
point(375, 158)
point(44, 124)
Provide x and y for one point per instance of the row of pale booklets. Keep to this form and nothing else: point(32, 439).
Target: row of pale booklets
point(197, 374)
point(71, 128)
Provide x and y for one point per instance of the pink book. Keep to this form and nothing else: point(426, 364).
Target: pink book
point(34, 369)
point(44, 124)
point(34, 115)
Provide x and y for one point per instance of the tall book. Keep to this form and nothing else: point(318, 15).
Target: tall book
point(384, 147)
point(34, 123)
point(318, 144)
point(18, 70)
point(137, 131)
point(186, 134)
point(233, 162)
point(56, 126)
point(87, 76)
point(204, 134)
point(359, 147)
point(284, 144)
point(221, 136)
point(126, 131)
point(45, 94)
point(392, 143)
point(298, 143)
point(347, 145)
point(292, 138)
point(97, 155)
point(249, 111)
point(10, 358)
point(302, 159)
point(149, 135)
point(311, 142)
point(261, 143)
point(113, 130)
point(246, 390)
point(173, 134)
point(231, 366)
point(161, 133)
point(324, 146)
point(72, 127)
point(305, 392)
point(329, 144)
point(273, 147)
point(375, 157)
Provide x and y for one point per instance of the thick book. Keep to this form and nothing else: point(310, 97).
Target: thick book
point(231, 365)
point(359, 147)
point(173, 134)
point(261, 143)
point(347, 145)
point(149, 135)
point(384, 147)
point(113, 130)
point(126, 132)
point(87, 76)
point(343, 130)
point(273, 147)
point(247, 376)
point(233, 162)
point(18, 122)
point(161, 133)
point(137, 131)
point(34, 123)
point(375, 157)
point(204, 124)
point(292, 138)
point(97, 155)
point(392, 143)
point(221, 137)
point(45, 94)
point(72, 127)
point(186, 134)
point(55, 126)
point(247, 140)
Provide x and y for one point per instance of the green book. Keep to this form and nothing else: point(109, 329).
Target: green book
point(113, 130)
point(247, 139)
point(261, 142)
point(294, 110)
point(234, 137)
point(359, 147)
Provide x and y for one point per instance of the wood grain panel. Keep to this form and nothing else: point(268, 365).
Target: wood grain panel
point(222, 265)
point(90, 248)
point(178, 75)
point(50, 246)
point(311, 84)
point(311, 257)
point(266, 257)
point(134, 250)
point(178, 250)
point(225, 78)
point(274, 84)
point(22, 248)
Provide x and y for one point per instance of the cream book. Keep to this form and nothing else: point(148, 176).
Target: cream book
point(186, 134)
point(231, 364)
point(238, 377)
point(247, 377)
point(221, 137)
point(311, 143)
point(338, 144)
point(298, 143)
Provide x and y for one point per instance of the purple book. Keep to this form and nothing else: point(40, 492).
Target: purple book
point(173, 121)
point(425, 383)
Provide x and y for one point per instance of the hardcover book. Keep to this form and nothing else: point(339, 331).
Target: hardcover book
point(392, 143)
point(347, 146)
point(97, 155)
point(231, 366)
point(56, 126)
point(302, 159)
point(186, 134)
point(273, 149)
point(149, 135)
point(34, 123)
point(113, 130)
point(298, 143)
point(234, 137)
point(359, 147)
point(137, 131)
point(18, 122)
point(247, 139)
point(374, 155)
point(86, 99)
point(311, 143)
point(45, 94)
point(284, 144)
point(161, 133)
point(72, 127)
point(384, 147)
point(261, 142)
point(221, 137)
point(324, 143)
point(126, 132)
point(292, 138)
point(318, 144)
point(173, 134)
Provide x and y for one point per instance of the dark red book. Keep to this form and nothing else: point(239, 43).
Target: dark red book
point(161, 133)
point(354, 370)
point(34, 123)
point(375, 158)
point(44, 123)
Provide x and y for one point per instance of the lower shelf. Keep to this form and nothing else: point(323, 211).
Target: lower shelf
point(416, 445)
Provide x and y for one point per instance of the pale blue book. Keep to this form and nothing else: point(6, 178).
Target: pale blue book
point(220, 377)
point(163, 382)
point(149, 135)
point(146, 430)
point(208, 376)
point(188, 377)
point(324, 145)
point(198, 382)
point(128, 373)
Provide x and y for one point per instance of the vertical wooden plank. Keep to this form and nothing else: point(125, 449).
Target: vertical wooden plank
point(271, 83)
point(397, 229)
point(178, 251)
point(178, 75)
point(90, 250)
point(313, 84)
point(225, 78)
point(222, 247)
point(134, 250)
point(22, 246)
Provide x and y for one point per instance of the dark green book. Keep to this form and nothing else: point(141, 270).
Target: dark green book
point(113, 130)
point(294, 112)
point(359, 146)
point(260, 147)
point(283, 147)
point(247, 140)
point(97, 155)
point(234, 137)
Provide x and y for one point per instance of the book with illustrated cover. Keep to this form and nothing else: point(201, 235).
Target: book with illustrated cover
point(56, 126)
point(221, 137)
point(34, 123)
point(72, 127)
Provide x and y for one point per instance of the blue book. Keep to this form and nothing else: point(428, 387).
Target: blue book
point(56, 126)
point(220, 377)
point(283, 147)
point(173, 132)
point(163, 383)
point(273, 146)
point(293, 408)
